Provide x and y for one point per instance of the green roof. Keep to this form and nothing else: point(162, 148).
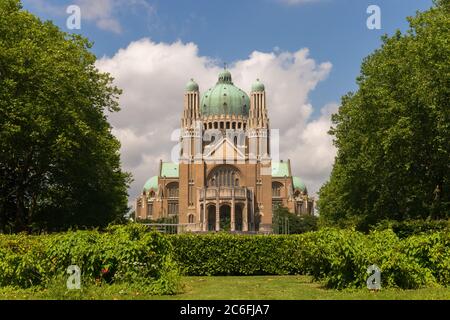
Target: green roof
point(169, 170)
point(257, 86)
point(280, 169)
point(224, 98)
point(299, 184)
point(191, 86)
point(151, 183)
point(225, 76)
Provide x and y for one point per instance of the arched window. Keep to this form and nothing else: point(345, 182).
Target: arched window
point(276, 189)
point(224, 176)
point(172, 190)
point(191, 218)
point(172, 208)
point(149, 210)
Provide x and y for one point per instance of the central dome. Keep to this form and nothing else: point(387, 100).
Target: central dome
point(224, 98)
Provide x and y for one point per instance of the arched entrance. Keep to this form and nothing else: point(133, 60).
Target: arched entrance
point(238, 218)
point(212, 218)
point(225, 217)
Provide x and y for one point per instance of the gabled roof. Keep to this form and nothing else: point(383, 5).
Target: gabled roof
point(280, 169)
point(151, 183)
point(225, 149)
point(169, 170)
point(298, 183)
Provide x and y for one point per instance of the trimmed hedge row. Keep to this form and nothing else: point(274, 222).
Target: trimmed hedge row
point(338, 257)
point(123, 253)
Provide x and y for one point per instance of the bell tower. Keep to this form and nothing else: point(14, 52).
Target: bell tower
point(259, 152)
point(191, 151)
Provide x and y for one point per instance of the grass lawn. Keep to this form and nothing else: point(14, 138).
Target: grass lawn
point(210, 288)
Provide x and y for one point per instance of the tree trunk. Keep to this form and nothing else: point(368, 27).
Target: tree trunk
point(20, 212)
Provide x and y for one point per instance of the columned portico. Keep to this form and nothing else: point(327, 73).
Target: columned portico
point(226, 206)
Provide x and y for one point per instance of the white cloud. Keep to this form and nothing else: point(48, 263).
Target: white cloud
point(104, 13)
point(101, 12)
point(153, 76)
point(312, 155)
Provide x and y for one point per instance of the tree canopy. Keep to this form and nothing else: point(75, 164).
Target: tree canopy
point(393, 134)
point(285, 222)
point(59, 162)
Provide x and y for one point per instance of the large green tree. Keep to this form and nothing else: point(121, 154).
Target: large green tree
point(393, 134)
point(59, 162)
point(285, 222)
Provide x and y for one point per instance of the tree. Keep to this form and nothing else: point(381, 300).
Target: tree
point(285, 222)
point(393, 134)
point(59, 162)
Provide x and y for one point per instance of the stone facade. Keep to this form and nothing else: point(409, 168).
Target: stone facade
point(225, 178)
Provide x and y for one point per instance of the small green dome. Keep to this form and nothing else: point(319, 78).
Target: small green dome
point(191, 86)
point(151, 183)
point(224, 98)
point(225, 77)
point(257, 86)
point(299, 184)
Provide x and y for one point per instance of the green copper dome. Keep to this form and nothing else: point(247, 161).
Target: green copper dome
point(224, 98)
point(191, 86)
point(257, 86)
point(151, 183)
point(298, 184)
point(225, 76)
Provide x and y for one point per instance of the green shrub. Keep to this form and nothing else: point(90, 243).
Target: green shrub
point(133, 255)
point(225, 254)
point(122, 254)
point(338, 257)
point(431, 251)
point(22, 260)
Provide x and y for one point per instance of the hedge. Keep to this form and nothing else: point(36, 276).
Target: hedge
point(131, 254)
point(340, 258)
point(122, 254)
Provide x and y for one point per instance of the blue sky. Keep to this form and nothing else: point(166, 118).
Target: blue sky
point(333, 30)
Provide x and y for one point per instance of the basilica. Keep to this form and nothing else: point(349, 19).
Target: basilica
point(226, 177)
